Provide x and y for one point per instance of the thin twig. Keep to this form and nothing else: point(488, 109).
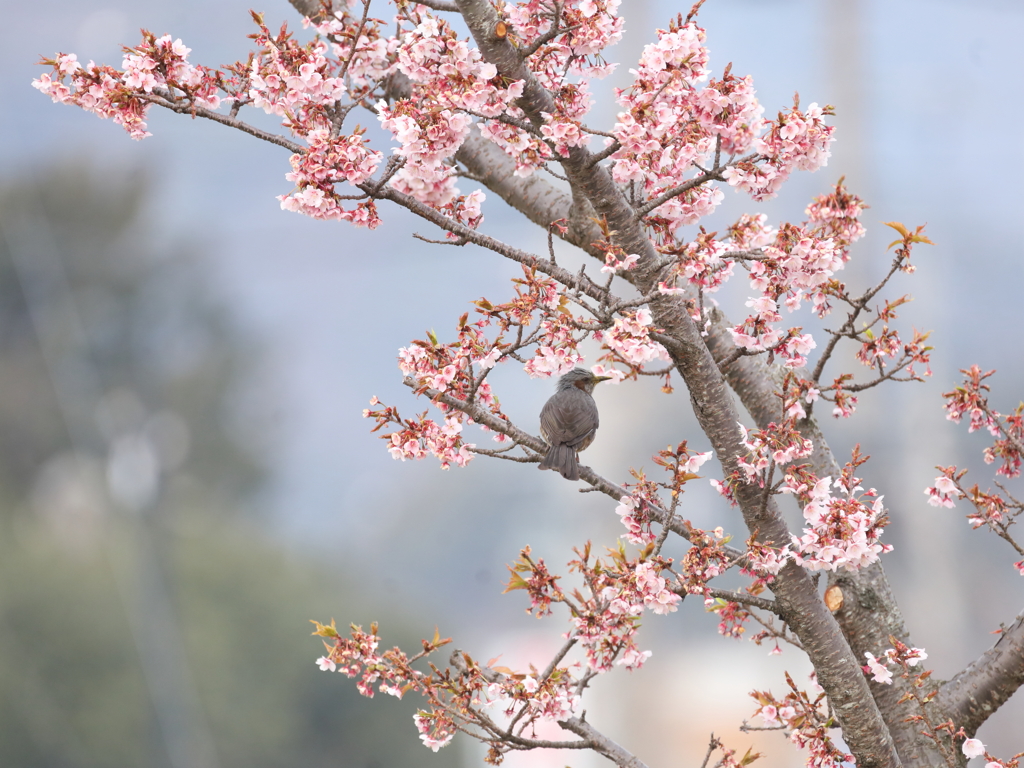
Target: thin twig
point(355, 40)
point(743, 599)
point(459, 241)
point(184, 107)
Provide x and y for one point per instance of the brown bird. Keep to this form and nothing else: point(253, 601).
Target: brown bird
point(568, 421)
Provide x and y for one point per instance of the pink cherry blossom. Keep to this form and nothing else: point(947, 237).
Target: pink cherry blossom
point(878, 671)
point(973, 748)
point(629, 339)
point(943, 493)
point(434, 732)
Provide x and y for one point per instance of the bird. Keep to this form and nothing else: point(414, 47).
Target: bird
point(568, 421)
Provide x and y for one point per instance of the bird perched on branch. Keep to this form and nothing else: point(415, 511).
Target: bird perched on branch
point(568, 421)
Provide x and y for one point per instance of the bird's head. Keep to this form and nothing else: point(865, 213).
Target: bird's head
point(581, 378)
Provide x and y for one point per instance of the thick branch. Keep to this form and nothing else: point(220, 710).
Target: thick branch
point(601, 744)
point(799, 604)
point(986, 684)
point(584, 175)
point(533, 196)
point(440, 5)
point(310, 9)
point(871, 613)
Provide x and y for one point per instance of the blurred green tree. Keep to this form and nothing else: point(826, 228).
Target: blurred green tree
point(146, 617)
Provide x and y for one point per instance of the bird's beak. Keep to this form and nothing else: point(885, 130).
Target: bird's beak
point(599, 379)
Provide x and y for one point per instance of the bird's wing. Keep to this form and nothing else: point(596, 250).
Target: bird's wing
point(569, 418)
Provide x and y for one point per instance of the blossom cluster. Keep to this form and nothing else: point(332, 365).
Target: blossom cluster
point(417, 438)
point(448, 77)
point(807, 720)
point(732, 617)
point(528, 150)
point(304, 85)
point(436, 728)
point(294, 82)
point(672, 126)
point(774, 446)
point(629, 340)
point(842, 532)
point(605, 618)
point(704, 559)
point(844, 523)
point(644, 495)
point(449, 368)
point(328, 160)
point(533, 576)
point(944, 492)
point(996, 511)
point(393, 673)
point(843, 527)
point(970, 399)
point(607, 622)
point(786, 266)
point(357, 656)
point(663, 131)
point(990, 509)
point(557, 334)
point(557, 350)
point(728, 109)
point(575, 32)
point(529, 699)
point(798, 140)
point(845, 403)
point(452, 84)
point(837, 216)
point(157, 65)
point(797, 393)
point(798, 264)
point(638, 526)
point(762, 563)
point(701, 262)
point(900, 656)
point(365, 52)
point(634, 509)
point(588, 27)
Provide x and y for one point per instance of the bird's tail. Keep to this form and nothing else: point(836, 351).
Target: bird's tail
point(562, 458)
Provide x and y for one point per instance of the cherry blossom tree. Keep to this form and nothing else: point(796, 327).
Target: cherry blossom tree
point(505, 109)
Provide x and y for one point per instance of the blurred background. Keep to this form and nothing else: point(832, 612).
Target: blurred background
point(186, 479)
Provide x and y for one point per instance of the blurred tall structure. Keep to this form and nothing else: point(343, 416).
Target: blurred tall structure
point(852, 88)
